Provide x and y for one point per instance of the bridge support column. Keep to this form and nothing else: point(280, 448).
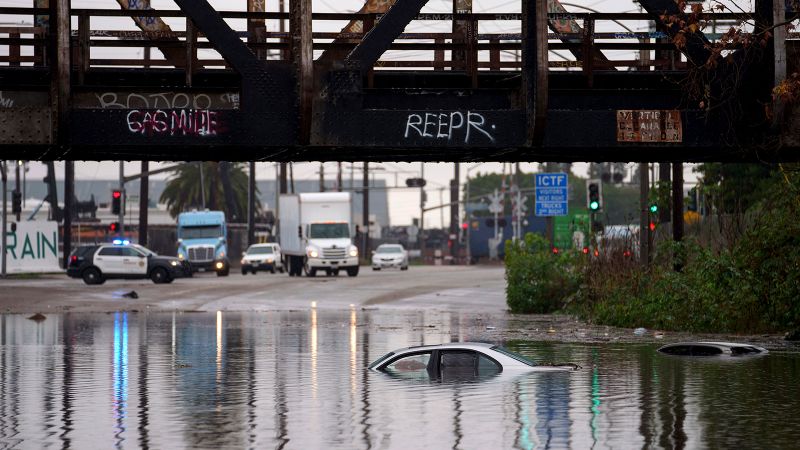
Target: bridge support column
point(534, 68)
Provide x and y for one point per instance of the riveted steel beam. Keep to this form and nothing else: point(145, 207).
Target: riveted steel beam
point(378, 40)
point(534, 68)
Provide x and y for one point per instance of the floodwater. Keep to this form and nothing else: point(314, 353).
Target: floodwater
point(297, 379)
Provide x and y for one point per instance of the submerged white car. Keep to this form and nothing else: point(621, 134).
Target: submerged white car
point(458, 361)
point(262, 257)
point(390, 256)
point(712, 349)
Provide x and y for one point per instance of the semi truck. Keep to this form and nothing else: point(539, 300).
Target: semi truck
point(316, 233)
point(202, 240)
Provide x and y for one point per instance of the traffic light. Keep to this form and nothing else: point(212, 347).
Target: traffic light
point(113, 227)
point(16, 202)
point(116, 201)
point(652, 226)
point(654, 208)
point(594, 195)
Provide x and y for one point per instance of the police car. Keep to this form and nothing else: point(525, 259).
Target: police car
point(122, 259)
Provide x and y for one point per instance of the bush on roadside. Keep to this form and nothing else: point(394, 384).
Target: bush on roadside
point(754, 286)
point(538, 281)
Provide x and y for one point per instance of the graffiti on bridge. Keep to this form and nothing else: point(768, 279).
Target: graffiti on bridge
point(184, 122)
point(166, 100)
point(450, 126)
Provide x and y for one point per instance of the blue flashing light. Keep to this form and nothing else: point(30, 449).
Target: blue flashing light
point(121, 242)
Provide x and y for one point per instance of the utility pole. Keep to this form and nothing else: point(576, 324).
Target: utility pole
point(322, 177)
point(251, 205)
point(454, 219)
point(339, 177)
point(121, 216)
point(280, 183)
point(17, 187)
point(422, 212)
point(677, 210)
point(69, 195)
point(644, 215)
point(664, 175)
point(202, 185)
point(283, 171)
point(3, 165)
point(144, 199)
point(365, 210)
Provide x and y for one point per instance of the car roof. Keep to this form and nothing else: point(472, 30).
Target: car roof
point(268, 244)
point(390, 245)
point(449, 345)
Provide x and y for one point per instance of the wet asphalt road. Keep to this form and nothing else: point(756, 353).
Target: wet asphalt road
point(454, 288)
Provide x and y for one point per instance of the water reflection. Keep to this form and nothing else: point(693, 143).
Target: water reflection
point(297, 380)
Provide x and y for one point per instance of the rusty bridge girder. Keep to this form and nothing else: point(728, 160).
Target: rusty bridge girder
point(267, 97)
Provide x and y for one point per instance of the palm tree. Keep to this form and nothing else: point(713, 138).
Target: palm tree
point(183, 193)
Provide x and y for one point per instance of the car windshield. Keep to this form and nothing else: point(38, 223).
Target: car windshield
point(260, 250)
point(389, 250)
point(200, 232)
point(380, 360)
point(328, 231)
point(511, 354)
point(145, 250)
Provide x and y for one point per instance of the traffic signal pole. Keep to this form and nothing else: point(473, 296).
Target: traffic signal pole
point(121, 216)
point(144, 199)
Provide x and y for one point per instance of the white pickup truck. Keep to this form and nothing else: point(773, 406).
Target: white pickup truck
point(316, 233)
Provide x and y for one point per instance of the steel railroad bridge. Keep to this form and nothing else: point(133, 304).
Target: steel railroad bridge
point(195, 83)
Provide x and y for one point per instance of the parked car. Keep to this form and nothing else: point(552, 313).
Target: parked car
point(121, 259)
point(458, 361)
point(262, 257)
point(390, 256)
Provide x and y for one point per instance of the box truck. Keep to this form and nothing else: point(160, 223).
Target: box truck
point(316, 233)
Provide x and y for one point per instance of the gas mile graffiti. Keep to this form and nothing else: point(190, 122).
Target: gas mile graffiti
point(184, 122)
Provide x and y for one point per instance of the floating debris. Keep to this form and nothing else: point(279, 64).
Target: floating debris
point(491, 328)
point(639, 331)
point(38, 317)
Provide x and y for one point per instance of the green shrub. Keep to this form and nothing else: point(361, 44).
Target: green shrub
point(538, 281)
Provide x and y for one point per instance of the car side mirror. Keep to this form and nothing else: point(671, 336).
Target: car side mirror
point(373, 252)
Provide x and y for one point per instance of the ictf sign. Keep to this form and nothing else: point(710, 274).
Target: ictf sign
point(552, 194)
point(33, 247)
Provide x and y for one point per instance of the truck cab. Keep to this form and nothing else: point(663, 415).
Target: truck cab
point(329, 248)
point(202, 241)
point(316, 233)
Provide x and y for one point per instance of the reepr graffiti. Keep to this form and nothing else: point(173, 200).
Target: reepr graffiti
point(6, 102)
point(448, 126)
point(184, 122)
